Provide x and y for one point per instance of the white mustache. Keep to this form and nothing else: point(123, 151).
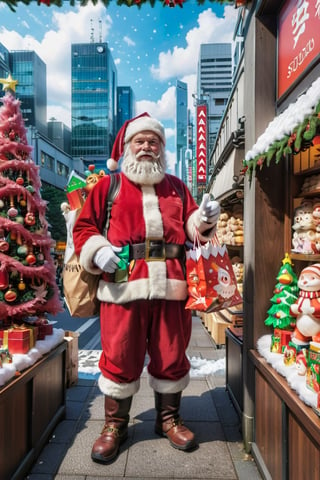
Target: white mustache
point(151, 154)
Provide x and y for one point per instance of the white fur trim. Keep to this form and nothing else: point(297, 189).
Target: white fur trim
point(120, 293)
point(154, 229)
point(112, 164)
point(143, 124)
point(169, 386)
point(151, 212)
point(206, 231)
point(157, 279)
point(88, 251)
point(117, 390)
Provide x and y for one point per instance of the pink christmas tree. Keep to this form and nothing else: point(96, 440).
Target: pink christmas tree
point(27, 272)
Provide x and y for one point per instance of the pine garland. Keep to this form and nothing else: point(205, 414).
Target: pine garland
point(299, 140)
point(13, 4)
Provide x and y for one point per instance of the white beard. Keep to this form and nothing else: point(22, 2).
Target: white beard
point(143, 172)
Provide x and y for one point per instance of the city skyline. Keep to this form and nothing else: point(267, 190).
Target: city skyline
point(151, 47)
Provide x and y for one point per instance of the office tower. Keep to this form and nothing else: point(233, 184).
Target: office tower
point(181, 129)
point(4, 64)
point(93, 102)
point(31, 73)
point(60, 135)
point(125, 105)
point(214, 83)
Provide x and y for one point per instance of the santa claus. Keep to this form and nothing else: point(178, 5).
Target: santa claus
point(154, 214)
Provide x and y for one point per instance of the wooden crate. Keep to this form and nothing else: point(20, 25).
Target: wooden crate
point(72, 358)
point(218, 329)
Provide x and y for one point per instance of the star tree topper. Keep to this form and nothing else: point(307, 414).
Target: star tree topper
point(8, 83)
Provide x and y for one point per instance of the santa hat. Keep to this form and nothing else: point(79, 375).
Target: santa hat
point(312, 269)
point(130, 128)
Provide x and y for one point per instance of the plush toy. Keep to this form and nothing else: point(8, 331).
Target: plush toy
point(92, 179)
point(306, 309)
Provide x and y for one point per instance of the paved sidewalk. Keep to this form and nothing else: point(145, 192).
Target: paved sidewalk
point(206, 408)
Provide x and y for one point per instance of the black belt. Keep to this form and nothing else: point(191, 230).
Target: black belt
point(156, 250)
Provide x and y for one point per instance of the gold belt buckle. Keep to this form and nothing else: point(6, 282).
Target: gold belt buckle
point(149, 246)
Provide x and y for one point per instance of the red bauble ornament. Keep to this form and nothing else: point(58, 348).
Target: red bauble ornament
point(31, 259)
point(20, 180)
point(4, 246)
point(10, 295)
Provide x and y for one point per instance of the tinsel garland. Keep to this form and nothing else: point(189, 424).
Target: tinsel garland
point(12, 4)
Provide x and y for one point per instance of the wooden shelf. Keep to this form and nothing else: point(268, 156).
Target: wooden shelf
point(305, 257)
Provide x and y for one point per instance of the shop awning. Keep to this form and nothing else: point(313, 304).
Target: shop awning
point(223, 183)
point(290, 132)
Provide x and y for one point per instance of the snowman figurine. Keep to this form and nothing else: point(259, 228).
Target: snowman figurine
point(306, 309)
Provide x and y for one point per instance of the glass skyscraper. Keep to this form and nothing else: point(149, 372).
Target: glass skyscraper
point(31, 73)
point(214, 83)
point(93, 102)
point(126, 105)
point(181, 129)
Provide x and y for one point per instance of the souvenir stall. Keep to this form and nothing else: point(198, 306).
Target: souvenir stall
point(227, 186)
point(32, 351)
point(281, 424)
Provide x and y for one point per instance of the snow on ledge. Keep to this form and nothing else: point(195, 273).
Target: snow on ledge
point(22, 361)
point(295, 381)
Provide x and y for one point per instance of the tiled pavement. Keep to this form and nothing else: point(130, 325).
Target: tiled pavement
point(206, 409)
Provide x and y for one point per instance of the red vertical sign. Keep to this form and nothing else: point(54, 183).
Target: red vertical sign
point(201, 144)
point(298, 40)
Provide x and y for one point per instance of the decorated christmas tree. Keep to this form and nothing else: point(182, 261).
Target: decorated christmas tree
point(285, 294)
point(27, 272)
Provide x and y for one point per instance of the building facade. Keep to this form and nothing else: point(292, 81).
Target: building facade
point(31, 73)
point(214, 83)
point(125, 105)
point(93, 102)
point(181, 129)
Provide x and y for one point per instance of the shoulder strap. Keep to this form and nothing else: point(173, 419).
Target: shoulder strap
point(114, 188)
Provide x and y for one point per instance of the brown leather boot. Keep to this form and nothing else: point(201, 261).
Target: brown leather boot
point(115, 430)
point(169, 424)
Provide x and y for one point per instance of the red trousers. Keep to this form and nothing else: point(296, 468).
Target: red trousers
point(161, 328)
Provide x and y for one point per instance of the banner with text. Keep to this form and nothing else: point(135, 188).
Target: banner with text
point(298, 40)
point(201, 144)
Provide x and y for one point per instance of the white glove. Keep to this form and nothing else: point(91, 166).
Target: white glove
point(106, 259)
point(209, 210)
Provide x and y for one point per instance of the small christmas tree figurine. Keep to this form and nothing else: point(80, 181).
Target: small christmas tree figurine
point(27, 272)
point(285, 294)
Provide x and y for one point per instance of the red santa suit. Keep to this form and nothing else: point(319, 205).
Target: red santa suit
point(146, 313)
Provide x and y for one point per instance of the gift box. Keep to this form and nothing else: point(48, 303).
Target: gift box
point(280, 340)
point(44, 328)
point(19, 338)
point(75, 199)
point(313, 370)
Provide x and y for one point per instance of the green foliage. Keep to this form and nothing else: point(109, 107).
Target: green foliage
point(55, 197)
point(12, 4)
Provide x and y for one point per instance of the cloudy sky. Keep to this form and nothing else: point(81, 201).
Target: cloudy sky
point(151, 47)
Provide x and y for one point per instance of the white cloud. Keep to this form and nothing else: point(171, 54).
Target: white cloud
point(171, 158)
point(128, 41)
point(55, 50)
point(179, 62)
point(165, 108)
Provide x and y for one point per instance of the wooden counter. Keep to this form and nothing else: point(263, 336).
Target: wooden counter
point(31, 405)
point(287, 432)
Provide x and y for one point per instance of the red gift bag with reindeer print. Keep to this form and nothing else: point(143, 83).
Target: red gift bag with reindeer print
point(212, 284)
